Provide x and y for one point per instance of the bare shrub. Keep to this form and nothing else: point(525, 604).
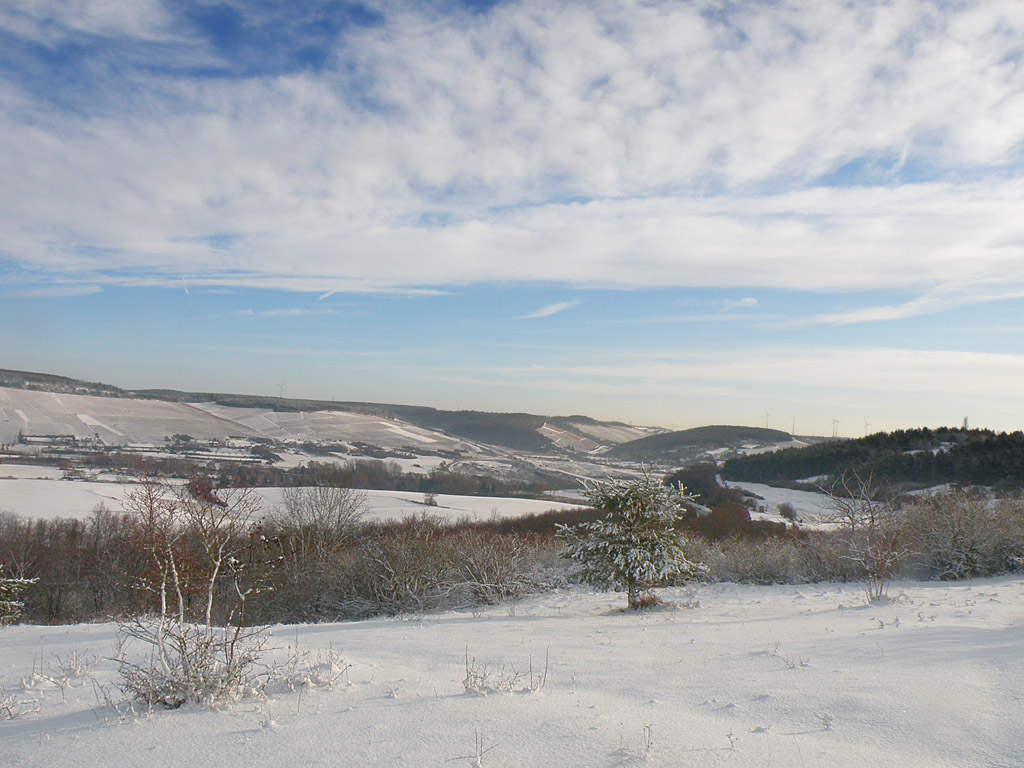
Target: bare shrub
point(870, 527)
point(768, 561)
point(494, 568)
point(878, 552)
point(192, 535)
point(402, 568)
point(314, 522)
point(308, 541)
point(808, 557)
point(824, 557)
point(959, 534)
point(422, 563)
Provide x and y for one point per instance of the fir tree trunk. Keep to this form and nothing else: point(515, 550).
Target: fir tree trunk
point(632, 593)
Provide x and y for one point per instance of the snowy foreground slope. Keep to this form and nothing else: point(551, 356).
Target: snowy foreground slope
point(752, 676)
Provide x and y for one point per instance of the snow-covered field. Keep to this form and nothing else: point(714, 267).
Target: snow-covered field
point(50, 498)
point(753, 676)
point(809, 506)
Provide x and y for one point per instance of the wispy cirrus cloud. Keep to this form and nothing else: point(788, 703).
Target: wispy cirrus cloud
point(743, 303)
point(289, 312)
point(59, 291)
point(549, 310)
point(929, 304)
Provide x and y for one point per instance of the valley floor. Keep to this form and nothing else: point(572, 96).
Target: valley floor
point(732, 676)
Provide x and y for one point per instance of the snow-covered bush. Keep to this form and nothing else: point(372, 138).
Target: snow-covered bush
point(961, 534)
point(186, 662)
point(636, 545)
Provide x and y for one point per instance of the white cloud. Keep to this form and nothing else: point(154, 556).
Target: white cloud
point(59, 291)
point(52, 22)
point(927, 374)
point(929, 304)
point(749, 301)
point(295, 312)
point(690, 153)
point(550, 309)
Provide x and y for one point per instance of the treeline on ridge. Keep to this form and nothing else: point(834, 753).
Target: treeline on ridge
point(913, 457)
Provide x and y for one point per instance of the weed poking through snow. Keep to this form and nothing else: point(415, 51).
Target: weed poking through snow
point(482, 679)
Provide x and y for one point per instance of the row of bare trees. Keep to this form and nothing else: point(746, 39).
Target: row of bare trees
point(214, 557)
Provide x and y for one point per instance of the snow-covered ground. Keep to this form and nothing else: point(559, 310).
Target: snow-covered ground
point(389, 505)
point(29, 471)
point(752, 676)
point(50, 498)
point(809, 506)
point(58, 498)
point(756, 450)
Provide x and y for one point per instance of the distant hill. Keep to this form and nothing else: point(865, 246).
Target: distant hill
point(509, 430)
point(913, 457)
point(48, 382)
point(687, 443)
point(515, 431)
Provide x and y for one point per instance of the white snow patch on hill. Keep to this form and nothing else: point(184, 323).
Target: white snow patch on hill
point(809, 505)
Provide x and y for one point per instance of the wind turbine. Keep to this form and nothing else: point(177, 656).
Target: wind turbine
point(280, 389)
point(835, 427)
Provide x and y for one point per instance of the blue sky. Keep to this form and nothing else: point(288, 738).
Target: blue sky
point(671, 213)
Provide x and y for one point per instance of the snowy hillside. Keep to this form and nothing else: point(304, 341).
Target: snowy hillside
point(750, 676)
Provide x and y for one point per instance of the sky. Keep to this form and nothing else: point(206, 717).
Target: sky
point(807, 215)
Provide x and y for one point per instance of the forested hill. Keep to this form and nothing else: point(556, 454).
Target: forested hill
point(921, 457)
point(684, 444)
point(48, 382)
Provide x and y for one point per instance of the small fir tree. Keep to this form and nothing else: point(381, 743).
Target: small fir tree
point(636, 545)
point(11, 592)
